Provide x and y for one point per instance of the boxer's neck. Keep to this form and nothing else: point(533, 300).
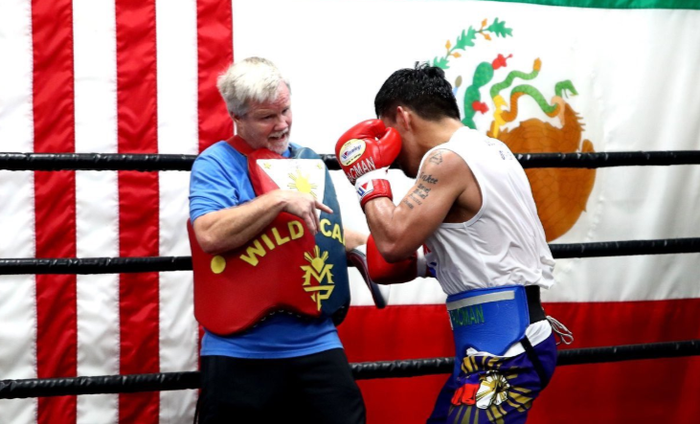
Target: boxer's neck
point(429, 134)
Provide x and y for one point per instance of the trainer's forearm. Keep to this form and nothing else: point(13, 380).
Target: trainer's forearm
point(354, 239)
point(230, 228)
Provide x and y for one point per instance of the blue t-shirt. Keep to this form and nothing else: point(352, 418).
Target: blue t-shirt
point(219, 180)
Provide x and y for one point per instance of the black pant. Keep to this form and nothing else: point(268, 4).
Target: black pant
point(316, 388)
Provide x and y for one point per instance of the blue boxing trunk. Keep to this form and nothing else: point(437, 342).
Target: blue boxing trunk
point(485, 386)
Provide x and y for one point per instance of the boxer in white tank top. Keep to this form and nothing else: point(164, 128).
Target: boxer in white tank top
point(472, 207)
point(503, 244)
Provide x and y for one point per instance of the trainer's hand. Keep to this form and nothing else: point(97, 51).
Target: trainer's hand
point(304, 206)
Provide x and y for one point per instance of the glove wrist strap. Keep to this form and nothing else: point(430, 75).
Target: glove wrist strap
point(377, 174)
point(373, 189)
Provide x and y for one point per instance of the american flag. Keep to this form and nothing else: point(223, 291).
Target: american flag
point(111, 77)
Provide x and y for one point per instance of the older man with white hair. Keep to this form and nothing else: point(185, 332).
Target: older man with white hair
point(269, 266)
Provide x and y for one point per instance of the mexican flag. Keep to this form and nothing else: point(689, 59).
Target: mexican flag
point(129, 76)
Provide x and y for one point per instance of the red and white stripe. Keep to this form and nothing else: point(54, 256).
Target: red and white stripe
point(54, 200)
point(97, 200)
point(17, 293)
point(119, 77)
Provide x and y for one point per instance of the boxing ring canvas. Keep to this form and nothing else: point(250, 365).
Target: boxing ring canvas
point(544, 76)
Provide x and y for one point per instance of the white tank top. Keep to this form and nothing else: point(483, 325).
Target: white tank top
point(504, 243)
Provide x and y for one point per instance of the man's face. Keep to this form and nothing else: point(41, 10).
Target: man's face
point(267, 124)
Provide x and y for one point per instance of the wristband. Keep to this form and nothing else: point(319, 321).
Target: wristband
point(372, 185)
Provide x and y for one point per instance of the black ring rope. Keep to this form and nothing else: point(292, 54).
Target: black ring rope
point(95, 162)
point(625, 248)
point(184, 263)
point(15, 389)
point(40, 387)
point(95, 265)
point(608, 159)
point(173, 162)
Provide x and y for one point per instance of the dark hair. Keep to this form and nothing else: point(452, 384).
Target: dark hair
point(424, 89)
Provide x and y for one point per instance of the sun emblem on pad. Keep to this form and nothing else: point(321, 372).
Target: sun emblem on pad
point(302, 184)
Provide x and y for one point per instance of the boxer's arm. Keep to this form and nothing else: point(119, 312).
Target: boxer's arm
point(400, 230)
point(230, 228)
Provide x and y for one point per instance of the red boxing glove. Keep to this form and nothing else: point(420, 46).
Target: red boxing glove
point(365, 147)
point(383, 272)
point(368, 146)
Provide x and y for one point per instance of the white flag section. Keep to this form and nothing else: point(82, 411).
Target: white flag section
point(634, 71)
point(137, 77)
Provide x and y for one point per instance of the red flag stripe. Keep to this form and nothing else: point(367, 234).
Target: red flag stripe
point(215, 53)
point(54, 116)
point(138, 201)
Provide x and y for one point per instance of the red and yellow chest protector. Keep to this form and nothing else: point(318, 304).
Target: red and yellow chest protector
point(283, 268)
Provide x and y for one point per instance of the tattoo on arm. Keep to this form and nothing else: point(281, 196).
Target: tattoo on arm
point(425, 183)
point(429, 179)
point(417, 196)
point(415, 199)
point(436, 158)
point(422, 191)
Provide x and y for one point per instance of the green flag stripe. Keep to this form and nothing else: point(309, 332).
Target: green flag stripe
point(615, 4)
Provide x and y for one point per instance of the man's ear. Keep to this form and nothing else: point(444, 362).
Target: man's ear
point(403, 118)
point(236, 121)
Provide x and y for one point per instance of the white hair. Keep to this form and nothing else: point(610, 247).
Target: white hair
point(254, 78)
